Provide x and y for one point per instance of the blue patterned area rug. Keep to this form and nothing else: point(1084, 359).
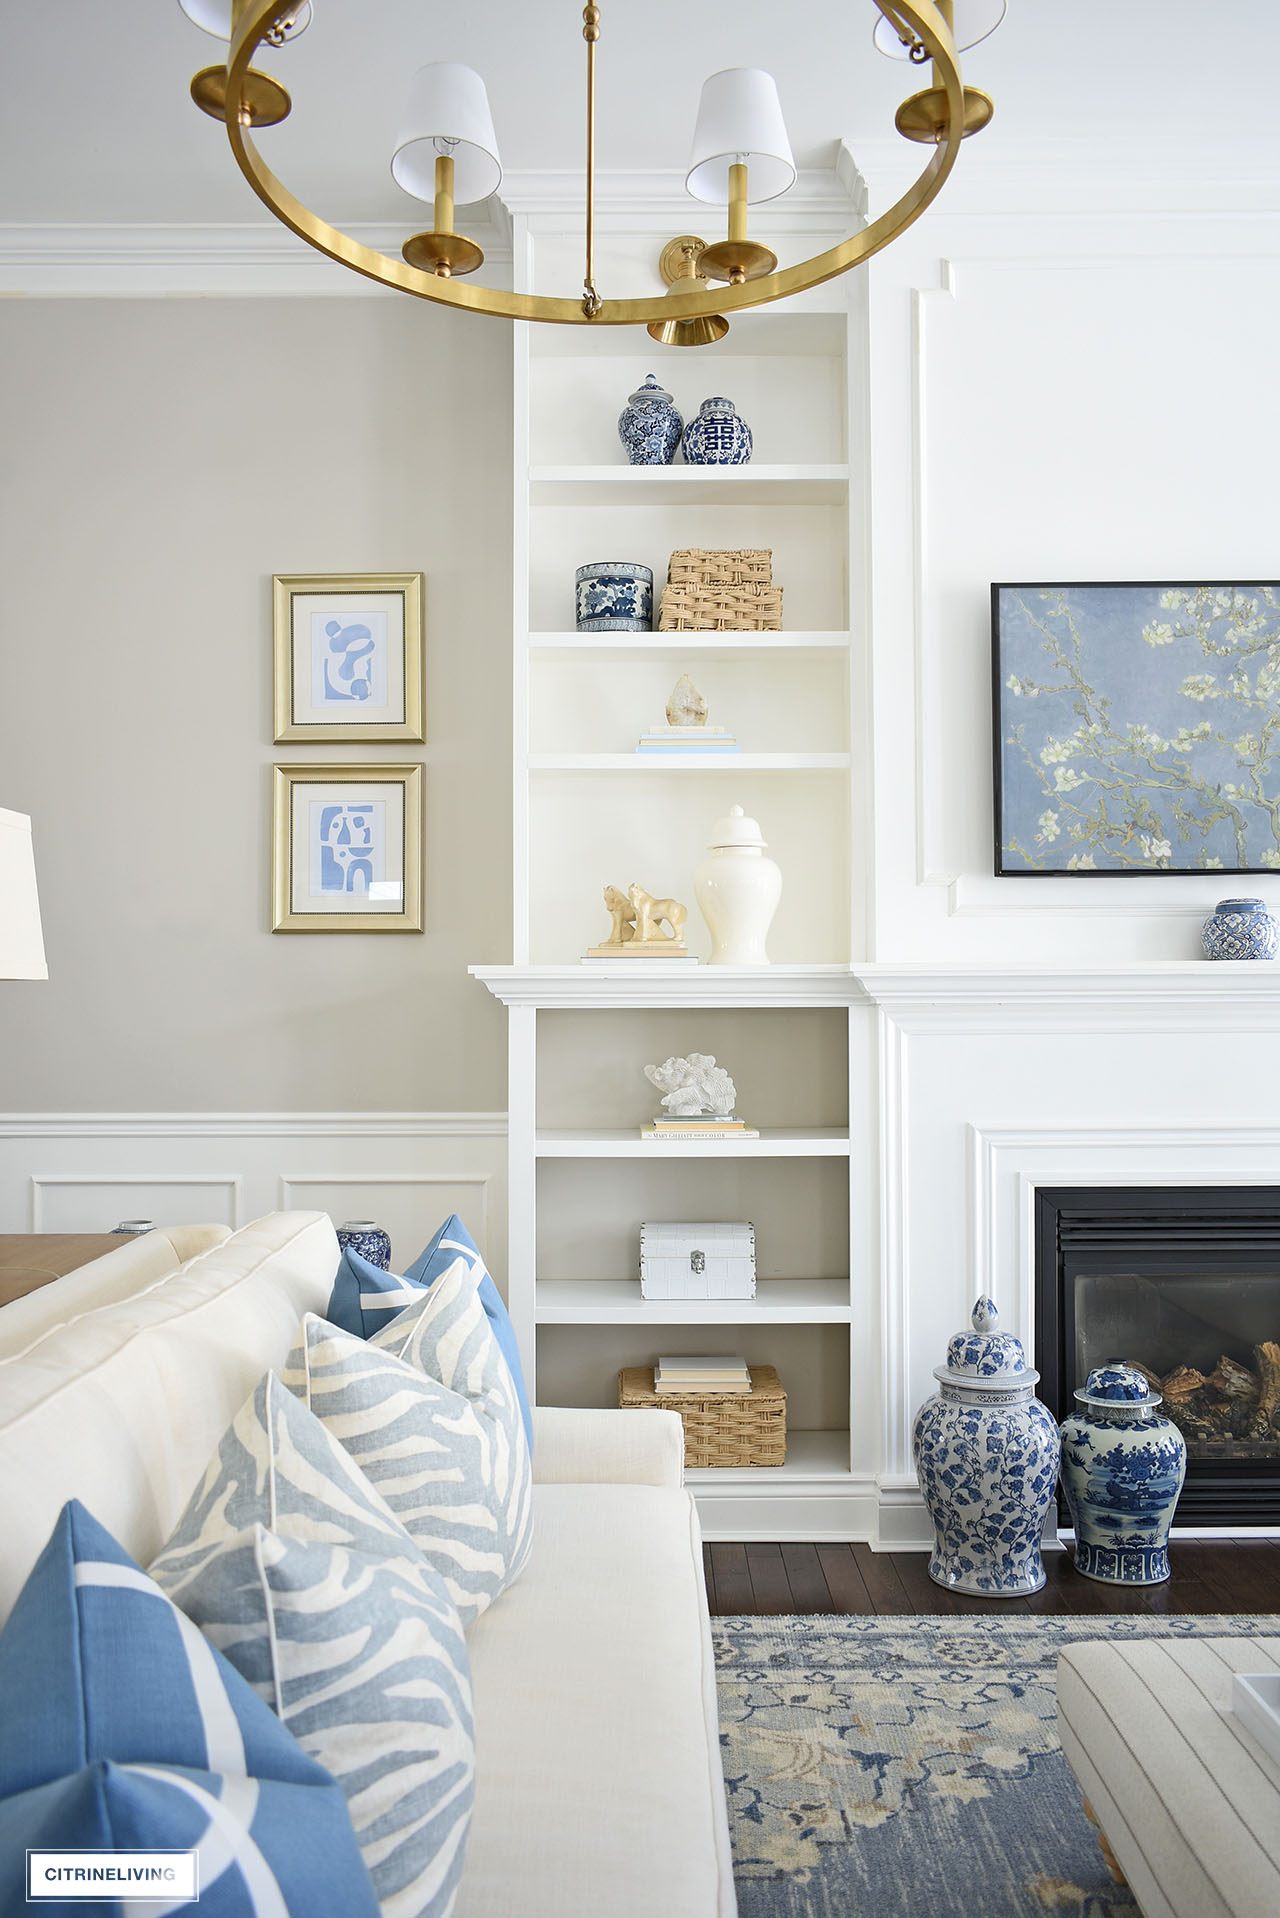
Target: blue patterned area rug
point(910, 1767)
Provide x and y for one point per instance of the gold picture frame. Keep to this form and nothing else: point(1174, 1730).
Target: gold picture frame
point(346, 849)
point(349, 657)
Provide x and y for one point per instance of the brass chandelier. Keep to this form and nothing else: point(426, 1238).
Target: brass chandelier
point(741, 157)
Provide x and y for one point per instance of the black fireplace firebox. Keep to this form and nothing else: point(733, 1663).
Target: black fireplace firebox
point(1185, 1283)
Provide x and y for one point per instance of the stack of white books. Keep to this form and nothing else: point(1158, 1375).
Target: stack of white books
point(687, 739)
point(702, 1378)
point(699, 1126)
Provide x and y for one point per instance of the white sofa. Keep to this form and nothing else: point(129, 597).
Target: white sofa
point(599, 1791)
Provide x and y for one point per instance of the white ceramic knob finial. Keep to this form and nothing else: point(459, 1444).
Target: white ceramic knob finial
point(985, 1315)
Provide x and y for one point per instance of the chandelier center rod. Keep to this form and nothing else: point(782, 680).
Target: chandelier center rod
point(591, 33)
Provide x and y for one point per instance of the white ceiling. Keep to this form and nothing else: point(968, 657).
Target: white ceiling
point(97, 125)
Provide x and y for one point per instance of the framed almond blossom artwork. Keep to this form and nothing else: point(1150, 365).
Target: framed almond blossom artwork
point(1137, 727)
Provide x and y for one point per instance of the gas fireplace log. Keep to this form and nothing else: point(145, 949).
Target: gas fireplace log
point(1235, 1381)
point(1266, 1414)
point(1184, 1382)
point(1152, 1378)
point(1187, 1402)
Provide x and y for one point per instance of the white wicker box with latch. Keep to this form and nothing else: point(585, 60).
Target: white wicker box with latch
point(679, 1261)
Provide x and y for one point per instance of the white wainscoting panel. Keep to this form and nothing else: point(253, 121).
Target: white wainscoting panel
point(82, 1172)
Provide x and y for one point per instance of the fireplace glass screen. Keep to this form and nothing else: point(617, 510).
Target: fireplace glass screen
point(1209, 1341)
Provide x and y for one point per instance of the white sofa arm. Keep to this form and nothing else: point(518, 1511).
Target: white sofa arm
point(576, 1447)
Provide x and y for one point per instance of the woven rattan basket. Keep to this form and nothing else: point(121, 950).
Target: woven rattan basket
point(720, 609)
point(732, 1428)
point(695, 566)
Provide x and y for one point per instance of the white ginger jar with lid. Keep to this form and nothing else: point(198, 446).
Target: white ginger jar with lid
point(738, 888)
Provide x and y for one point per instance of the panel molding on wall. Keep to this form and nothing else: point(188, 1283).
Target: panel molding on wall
point(66, 1172)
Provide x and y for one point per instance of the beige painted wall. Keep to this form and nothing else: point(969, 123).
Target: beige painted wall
point(161, 460)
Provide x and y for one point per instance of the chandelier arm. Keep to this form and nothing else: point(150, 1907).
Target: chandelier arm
point(255, 18)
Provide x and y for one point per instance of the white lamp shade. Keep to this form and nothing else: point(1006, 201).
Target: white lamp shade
point(214, 16)
point(448, 112)
point(21, 943)
point(740, 118)
point(975, 19)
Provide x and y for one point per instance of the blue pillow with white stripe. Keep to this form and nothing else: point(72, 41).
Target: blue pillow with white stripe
point(365, 1298)
point(124, 1728)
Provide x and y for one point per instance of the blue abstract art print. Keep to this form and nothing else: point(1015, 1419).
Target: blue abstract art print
point(347, 849)
point(349, 659)
point(349, 652)
point(1137, 727)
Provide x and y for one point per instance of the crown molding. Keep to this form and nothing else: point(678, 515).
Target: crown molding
point(156, 261)
point(1000, 173)
point(625, 197)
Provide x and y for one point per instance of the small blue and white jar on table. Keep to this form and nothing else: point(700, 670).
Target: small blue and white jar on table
point(649, 425)
point(367, 1238)
point(1240, 929)
point(1123, 1464)
point(614, 596)
point(719, 436)
point(986, 1454)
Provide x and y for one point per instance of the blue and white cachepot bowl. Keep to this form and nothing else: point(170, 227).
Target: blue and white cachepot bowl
point(1123, 1464)
point(986, 1454)
point(718, 437)
point(614, 596)
point(649, 426)
point(368, 1239)
point(1240, 929)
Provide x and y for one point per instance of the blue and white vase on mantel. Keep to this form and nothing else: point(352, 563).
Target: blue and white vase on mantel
point(649, 426)
point(986, 1454)
point(368, 1239)
point(718, 436)
point(1123, 1464)
point(1240, 929)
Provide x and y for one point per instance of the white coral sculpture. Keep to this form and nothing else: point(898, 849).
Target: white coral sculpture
point(694, 1086)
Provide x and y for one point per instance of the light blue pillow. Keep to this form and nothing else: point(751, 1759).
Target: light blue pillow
point(433, 1453)
point(123, 1727)
point(293, 1565)
point(365, 1298)
point(448, 1336)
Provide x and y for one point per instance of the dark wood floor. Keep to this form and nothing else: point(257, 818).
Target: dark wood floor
point(1209, 1575)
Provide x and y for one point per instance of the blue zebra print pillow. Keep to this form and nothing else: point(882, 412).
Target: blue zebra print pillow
point(290, 1561)
point(365, 1298)
point(124, 1728)
point(446, 1463)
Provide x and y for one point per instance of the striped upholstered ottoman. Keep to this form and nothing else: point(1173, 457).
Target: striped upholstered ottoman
point(1189, 1802)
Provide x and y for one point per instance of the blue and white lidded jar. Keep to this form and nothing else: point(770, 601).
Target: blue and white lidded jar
point(1123, 1464)
point(614, 596)
point(718, 437)
point(368, 1239)
point(649, 426)
point(1240, 929)
point(986, 1453)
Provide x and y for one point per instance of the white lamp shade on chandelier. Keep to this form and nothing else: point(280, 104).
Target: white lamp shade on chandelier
point(21, 942)
point(448, 113)
point(740, 119)
point(974, 20)
point(214, 16)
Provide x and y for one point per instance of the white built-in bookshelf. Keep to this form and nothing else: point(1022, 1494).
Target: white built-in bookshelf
point(589, 812)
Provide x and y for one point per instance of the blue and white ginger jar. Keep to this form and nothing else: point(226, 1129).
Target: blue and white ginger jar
point(649, 426)
point(986, 1453)
point(614, 596)
point(1240, 929)
point(368, 1239)
point(1123, 1464)
point(718, 437)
